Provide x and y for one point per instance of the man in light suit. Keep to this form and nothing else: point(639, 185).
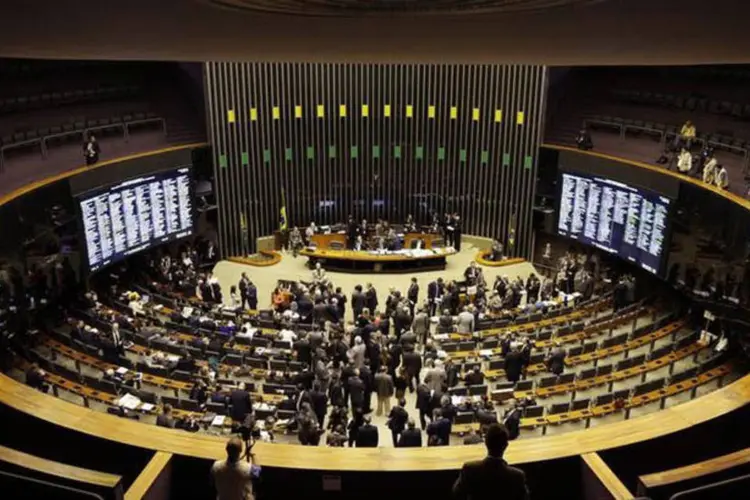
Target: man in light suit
point(491, 477)
point(421, 325)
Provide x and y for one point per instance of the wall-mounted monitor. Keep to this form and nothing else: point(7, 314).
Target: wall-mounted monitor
point(134, 215)
point(615, 217)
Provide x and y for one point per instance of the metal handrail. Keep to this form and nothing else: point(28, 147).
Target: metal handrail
point(85, 493)
point(711, 486)
point(42, 141)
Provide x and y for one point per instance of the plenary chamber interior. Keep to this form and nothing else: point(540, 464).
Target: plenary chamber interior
point(354, 265)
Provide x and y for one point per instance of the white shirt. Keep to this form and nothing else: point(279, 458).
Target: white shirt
point(287, 335)
point(232, 480)
point(684, 162)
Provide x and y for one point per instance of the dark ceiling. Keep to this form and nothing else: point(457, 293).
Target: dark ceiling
point(613, 32)
point(353, 8)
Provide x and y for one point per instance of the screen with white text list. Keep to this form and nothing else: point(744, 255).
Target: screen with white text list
point(136, 214)
point(616, 218)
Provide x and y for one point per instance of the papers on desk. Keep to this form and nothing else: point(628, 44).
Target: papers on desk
point(121, 370)
point(442, 336)
point(218, 420)
point(264, 407)
point(158, 307)
point(187, 311)
point(442, 354)
point(259, 351)
point(485, 353)
point(129, 402)
point(146, 407)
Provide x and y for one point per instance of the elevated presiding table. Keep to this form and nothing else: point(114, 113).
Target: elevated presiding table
point(380, 261)
point(337, 241)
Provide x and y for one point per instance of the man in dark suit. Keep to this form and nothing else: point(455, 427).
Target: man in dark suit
point(358, 301)
point(491, 477)
point(424, 404)
point(367, 437)
point(401, 321)
point(411, 437)
point(242, 404)
point(556, 360)
point(319, 403)
point(252, 296)
point(244, 281)
point(397, 420)
point(412, 362)
point(513, 365)
point(413, 295)
point(512, 421)
point(371, 298)
point(356, 391)
point(435, 290)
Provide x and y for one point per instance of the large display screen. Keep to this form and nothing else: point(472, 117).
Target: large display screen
point(615, 217)
point(136, 214)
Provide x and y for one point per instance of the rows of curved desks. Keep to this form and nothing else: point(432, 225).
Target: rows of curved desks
point(68, 415)
point(650, 426)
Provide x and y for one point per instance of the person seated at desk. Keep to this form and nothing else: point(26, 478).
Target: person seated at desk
point(166, 419)
point(286, 334)
point(36, 378)
point(496, 253)
point(475, 377)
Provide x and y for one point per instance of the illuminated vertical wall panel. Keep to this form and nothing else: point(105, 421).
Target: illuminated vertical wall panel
point(399, 148)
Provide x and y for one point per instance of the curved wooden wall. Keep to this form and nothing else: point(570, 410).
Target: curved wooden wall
point(647, 427)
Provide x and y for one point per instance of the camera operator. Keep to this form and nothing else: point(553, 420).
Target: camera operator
point(233, 477)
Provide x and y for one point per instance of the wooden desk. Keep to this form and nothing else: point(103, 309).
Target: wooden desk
point(650, 426)
point(692, 471)
point(61, 470)
point(323, 241)
point(483, 258)
point(353, 261)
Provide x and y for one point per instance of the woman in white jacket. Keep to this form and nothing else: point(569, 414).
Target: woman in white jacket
point(684, 161)
point(709, 170)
